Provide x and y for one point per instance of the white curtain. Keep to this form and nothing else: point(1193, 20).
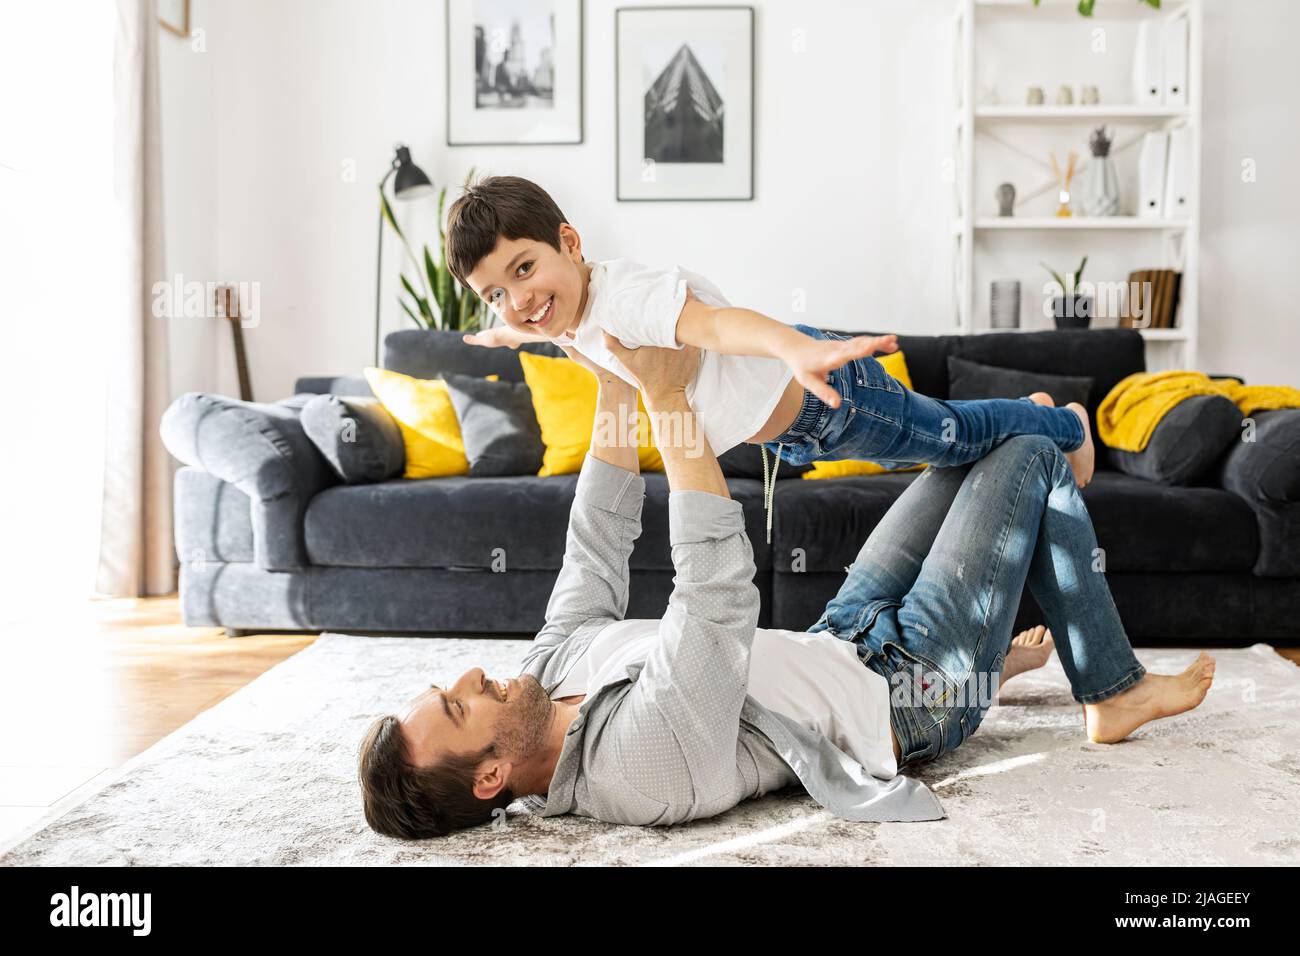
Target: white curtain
point(136, 553)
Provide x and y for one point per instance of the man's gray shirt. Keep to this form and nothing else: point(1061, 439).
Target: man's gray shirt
point(677, 736)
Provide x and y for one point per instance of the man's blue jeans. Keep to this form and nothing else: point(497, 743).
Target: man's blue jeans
point(932, 596)
point(879, 420)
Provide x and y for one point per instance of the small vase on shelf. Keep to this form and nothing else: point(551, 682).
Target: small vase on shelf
point(1101, 186)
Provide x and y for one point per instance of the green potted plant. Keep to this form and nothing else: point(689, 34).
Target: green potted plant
point(446, 304)
point(1071, 309)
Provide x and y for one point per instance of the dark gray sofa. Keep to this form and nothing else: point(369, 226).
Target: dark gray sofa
point(270, 539)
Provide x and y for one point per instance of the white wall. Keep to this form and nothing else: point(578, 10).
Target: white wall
point(263, 127)
point(1250, 231)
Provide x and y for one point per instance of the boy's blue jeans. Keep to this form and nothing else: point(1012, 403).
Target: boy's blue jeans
point(879, 420)
point(932, 596)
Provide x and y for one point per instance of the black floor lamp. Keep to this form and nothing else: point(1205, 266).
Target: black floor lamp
point(411, 183)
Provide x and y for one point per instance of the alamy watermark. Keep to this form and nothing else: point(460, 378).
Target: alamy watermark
point(176, 298)
point(1126, 300)
point(622, 429)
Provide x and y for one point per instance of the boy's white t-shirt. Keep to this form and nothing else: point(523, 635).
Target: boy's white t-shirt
point(732, 395)
point(815, 679)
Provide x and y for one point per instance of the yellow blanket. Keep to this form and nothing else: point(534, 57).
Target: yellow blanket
point(1131, 411)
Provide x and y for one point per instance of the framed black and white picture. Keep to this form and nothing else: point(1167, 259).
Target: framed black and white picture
point(514, 72)
point(685, 102)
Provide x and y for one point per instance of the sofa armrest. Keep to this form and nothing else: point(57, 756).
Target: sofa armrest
point(263, 451)
point(351, 385)
point(1266, 472)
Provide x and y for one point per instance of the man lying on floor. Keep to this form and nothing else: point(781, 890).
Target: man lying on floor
point(660, 722)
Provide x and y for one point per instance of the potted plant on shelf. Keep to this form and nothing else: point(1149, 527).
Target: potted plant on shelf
point(1085, 6)
point(446, 305)
point(1071, 309)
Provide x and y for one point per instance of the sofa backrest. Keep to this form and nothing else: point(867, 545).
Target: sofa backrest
point(429, 353)
point(1106, 355)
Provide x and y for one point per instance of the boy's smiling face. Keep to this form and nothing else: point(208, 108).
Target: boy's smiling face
point(533, 287)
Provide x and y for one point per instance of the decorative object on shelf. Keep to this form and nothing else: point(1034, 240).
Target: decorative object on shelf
point(514, 72)
point(1085, 6)
point(1004, 304)
point(1063, 181)
point(1035, 96)
point(1101, 184)
point(684, 103)
point(457, 308)
point(1071, 309)
point(1064, 97)
point(1152, 301)
point(1006, 196)
point(1089, 96)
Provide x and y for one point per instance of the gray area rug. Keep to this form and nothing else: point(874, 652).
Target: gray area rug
point(268, 777)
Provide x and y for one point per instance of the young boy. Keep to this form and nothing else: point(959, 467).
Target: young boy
point(760, 380)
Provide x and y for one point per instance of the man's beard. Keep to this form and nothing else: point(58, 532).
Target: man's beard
point(522, 727)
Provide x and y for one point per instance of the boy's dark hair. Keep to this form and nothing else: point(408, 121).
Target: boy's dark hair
point(495, 207)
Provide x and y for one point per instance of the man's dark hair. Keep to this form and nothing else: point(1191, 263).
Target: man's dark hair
point(415, 803)
point(496, 207)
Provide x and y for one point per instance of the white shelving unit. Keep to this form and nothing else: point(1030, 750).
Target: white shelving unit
point(992, 135)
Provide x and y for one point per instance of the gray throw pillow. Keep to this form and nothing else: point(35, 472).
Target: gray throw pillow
point(498, 424)
point(1187, 441)
point(358, 437)
point(973, 380)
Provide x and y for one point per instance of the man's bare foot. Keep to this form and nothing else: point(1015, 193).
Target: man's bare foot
point(1083, 459)
point(1042, 398)
point(1030, 650)
point(1153, 697)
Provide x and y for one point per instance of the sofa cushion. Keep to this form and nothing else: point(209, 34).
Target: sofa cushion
point(357, 436)
point(463, 522)
point(1186, 442)
point(1264, 471)
point(498, 425)
point(974, 380)
point(1104, 355)
point(1141, 526)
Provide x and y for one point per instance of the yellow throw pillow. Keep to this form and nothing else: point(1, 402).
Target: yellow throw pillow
point(427, 419)
point(895, 365)
point(564, 398)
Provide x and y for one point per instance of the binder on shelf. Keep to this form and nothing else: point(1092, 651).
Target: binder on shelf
point(1152, 299)
point(1151, 174)
point(1175, 62)
point(1175, 288)
point(1148, 64)
point(1138, 300)
point(1178, 174)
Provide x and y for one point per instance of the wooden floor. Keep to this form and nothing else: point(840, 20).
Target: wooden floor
point(85, 687)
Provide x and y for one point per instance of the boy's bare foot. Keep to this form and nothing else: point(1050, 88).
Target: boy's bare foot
point(1042, 398)
point(1083, 459)
point(1153, 697)
point(1030, 650)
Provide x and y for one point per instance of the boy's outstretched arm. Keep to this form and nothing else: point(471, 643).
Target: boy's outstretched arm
point(502, 335)
point(735, 331)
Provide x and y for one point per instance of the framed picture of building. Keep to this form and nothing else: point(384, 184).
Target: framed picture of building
point(514, 72)
point(684, 111)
